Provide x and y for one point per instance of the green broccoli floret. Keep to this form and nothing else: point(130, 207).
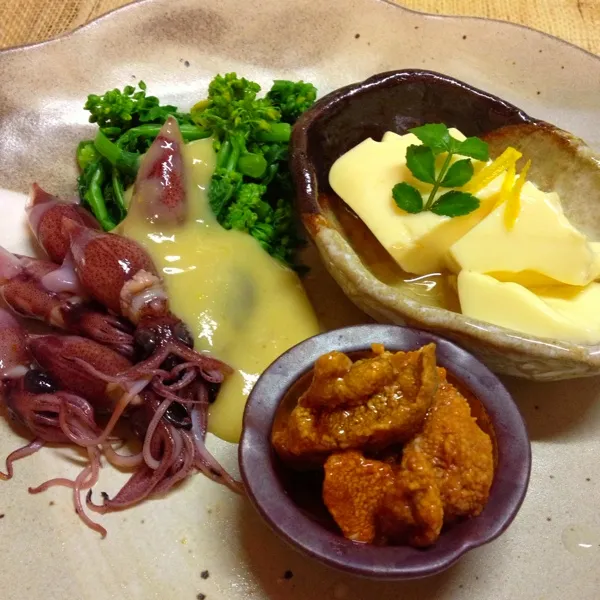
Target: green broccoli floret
point(272, 227)
point(248, 209)
point(223, 186)
point(229, 88)
point(252, 141)
point(86, 154)
point(117, 111)
point(251, 188)
point(285, 235)
point(236, 116)
point(292, 98)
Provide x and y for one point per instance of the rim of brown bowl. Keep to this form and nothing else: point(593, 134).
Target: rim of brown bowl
point(259, 464)
point(576, 360)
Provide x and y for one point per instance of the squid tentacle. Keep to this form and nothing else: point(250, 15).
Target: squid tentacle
point(27, 450)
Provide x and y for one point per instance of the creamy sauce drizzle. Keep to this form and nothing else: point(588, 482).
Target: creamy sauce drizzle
point(241, 305)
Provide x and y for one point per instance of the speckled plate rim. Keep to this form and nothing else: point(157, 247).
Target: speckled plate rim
point(126, 7)
point(395, 563)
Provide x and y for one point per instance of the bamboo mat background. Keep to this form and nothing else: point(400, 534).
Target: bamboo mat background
point(578, 21)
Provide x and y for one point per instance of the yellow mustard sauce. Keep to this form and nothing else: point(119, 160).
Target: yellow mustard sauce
point(241, 305)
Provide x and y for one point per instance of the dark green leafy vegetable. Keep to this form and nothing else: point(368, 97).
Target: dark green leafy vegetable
point(421, 161)
point(117, 111)
point(139, 139)
point(126, 162)
point(251, 188)
point(235, 115)
point(458, 174)
point(91, 190)
point(249, 210)
point(475, 148)
point(292, 98)
point(434, 135)
point(437, 137)
point(223, 187)
point(271, 225)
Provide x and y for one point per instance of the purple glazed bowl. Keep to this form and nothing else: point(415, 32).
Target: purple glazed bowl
point(267, 480)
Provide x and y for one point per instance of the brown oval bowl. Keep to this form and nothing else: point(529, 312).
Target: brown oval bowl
point(274, 489)
point(397, 101)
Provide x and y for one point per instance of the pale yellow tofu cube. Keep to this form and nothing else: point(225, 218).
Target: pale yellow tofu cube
point(419, 243)
point(559, 312)
point(541, 242)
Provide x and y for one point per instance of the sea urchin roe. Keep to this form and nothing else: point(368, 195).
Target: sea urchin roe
point(395, 391)
point(338, 381)
point(374, 501)
point(445, 469)
point(460, 452)
point(411, 510)
point(353, 491)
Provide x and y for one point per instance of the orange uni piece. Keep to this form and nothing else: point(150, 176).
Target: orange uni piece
point(368, 404)
point(460, 452)
point(445, 473)
point(353, 491)
point(412, 512)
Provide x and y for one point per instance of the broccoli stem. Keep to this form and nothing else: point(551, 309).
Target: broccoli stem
point(247, 163)
point(189, 132)
point(252, 165)
point(271, 172)
point(123, 160)
point(118, 192)
point(233, 157)
point(95, 199)
point(223, 154)
point(277, 132)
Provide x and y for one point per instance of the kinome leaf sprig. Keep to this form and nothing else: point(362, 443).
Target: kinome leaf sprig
point(420, 159)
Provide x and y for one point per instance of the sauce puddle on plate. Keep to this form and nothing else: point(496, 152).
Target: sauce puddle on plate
point(581, 540)
point(240, 304)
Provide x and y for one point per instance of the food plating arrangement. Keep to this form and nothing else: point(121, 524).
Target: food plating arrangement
point(344, 288)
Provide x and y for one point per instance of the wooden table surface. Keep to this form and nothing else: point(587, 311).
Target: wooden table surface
point(578, 21)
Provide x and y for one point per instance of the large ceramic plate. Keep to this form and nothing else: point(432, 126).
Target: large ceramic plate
point(160, 549)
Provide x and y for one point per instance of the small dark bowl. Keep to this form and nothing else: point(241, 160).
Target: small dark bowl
point(274, 494)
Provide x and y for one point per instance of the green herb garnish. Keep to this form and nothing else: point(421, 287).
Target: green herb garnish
point(420, 160)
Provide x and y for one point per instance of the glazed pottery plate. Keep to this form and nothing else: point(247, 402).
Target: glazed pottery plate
point(201, 539)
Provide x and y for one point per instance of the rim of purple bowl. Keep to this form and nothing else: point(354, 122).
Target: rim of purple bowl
point(267, 494)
